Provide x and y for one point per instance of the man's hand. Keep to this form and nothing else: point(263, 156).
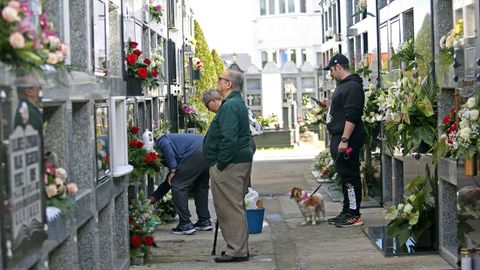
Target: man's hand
point(325, 103)
point(170, 178)
point(342, 147)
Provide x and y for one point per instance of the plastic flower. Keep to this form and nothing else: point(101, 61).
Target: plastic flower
point(16, 40)
point(72, 188)
point(471, 102)
point(135, 241)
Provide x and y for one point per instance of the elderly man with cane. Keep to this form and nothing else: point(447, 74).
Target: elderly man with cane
point(229, 154)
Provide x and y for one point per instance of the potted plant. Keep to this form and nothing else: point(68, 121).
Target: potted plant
point(142, 223)
point(467, 138)
point(26, 47)
point(156, 11)
point(142, 160)
point(140, 71)
point(197, 67)
point(413, 219)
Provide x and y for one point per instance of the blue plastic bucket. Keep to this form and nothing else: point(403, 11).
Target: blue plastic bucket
point(255, 220)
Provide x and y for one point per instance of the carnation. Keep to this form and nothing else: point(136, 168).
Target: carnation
point(465, 133)
point(473, 115)
point(471, 102)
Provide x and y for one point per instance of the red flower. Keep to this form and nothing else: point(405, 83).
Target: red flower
point(453, 127)
point(135, 130)
point(106, 159)
point(148, 240)
point(154, 73)
point(324, 172)
point(150, 157)
point(137, 52)
point(142, 72)
point(452, 110)
point(132, 44)
point(132, 59)
point(446, 119)
point(147, 61)
point(139, 144)
point(135, 241)
point(132, 143)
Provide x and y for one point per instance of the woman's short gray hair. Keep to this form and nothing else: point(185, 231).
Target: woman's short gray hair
point(209, 95)
point(236, 78)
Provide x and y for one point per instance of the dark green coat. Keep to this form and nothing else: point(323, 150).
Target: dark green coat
point(228, 137)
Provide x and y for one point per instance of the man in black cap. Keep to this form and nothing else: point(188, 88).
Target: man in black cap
point(345, 125)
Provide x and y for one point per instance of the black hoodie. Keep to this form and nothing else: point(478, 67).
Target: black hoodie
point(347, 104)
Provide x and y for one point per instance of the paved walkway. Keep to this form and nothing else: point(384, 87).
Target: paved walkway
point(284, 244)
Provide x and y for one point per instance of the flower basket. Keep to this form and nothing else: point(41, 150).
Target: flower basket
point(134, 87)
point(470, 166)
point(196, 75)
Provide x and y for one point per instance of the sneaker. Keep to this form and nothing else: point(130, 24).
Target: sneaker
point(203, 225)
point(184, 229)
point(340, 216)
point(352, 221)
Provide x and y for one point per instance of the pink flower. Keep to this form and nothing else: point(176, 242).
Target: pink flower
point(72, 188)
point(14, 4)
point(349, 151)
point(25, 6)
point(64, 48)
point(10, 14)
point(54, 42)
point(158, 7)
point(61, 173)
point(17, 40)
point(60, 56)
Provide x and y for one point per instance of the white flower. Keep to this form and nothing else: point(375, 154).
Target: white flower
point(400, 206)
point(450, 41)
point(464, 123)
point(61, 173)
point(465, 133)
point(471, 102)
point(58, 181)
point(473, 115)
point(412, 197)
point(408, 208)
point(443, 137)
point(52, 58)
point(51, 191)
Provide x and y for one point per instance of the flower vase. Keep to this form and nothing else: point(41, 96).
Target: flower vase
point(139, 260)
point(470, 166)
point(134, 87)
point(196, 74)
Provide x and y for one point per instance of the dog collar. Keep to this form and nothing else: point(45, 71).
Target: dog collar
point(305, 197)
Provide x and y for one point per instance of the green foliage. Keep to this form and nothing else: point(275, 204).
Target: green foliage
point(406, 55)
point(219, 67)
point(423, 47)
point(268, 121)
point(415, 215)
point(208, 77)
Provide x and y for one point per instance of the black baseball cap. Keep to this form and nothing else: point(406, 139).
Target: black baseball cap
point(337, 59)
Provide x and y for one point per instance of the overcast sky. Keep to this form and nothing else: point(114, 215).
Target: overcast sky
point(226, 24)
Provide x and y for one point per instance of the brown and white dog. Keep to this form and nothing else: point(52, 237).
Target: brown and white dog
point(309, 206)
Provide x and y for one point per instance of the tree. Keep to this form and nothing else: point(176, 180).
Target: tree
point(219, 67)
point(208, 78)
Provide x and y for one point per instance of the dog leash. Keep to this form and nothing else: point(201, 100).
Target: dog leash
point(346, 155)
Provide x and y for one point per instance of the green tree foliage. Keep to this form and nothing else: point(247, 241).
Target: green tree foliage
point(208, 78)
point(423, 47)
point(219, 67)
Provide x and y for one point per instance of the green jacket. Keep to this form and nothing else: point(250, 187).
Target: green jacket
point(228, 137)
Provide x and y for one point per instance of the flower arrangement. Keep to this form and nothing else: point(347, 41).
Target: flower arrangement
point(361, 7)
point(24, 46)
point(155, 10)
point(165, 209)
point(197, 63)
point(467, 139)
point(407, 108)
point(142, 222)
point(372, 114)
point(448, 40)
point(157, 58)
point(415, 215)
point(324, 164)
point(329, 34)
point(139, 67)
point(316, 116)
point(57, 191)
point(142, 160)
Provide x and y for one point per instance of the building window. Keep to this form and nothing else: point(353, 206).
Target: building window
point(275, 57)
point(102, 148)
point(283, 56)
point(304, 56)
point(294, 56)
point(303, 6)
point(264, 58)
point(281, 6)
point(263, 7)
point(291, 6)
point(319, 59)
point(99, 38)
point(271, 7)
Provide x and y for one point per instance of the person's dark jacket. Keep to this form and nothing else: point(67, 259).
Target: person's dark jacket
point(347, 104)
point(177, 147)
point(228, 137)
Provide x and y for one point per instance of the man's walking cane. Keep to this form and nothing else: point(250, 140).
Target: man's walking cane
point(215, 238)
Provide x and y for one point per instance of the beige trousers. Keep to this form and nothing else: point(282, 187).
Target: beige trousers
point(228, 189)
